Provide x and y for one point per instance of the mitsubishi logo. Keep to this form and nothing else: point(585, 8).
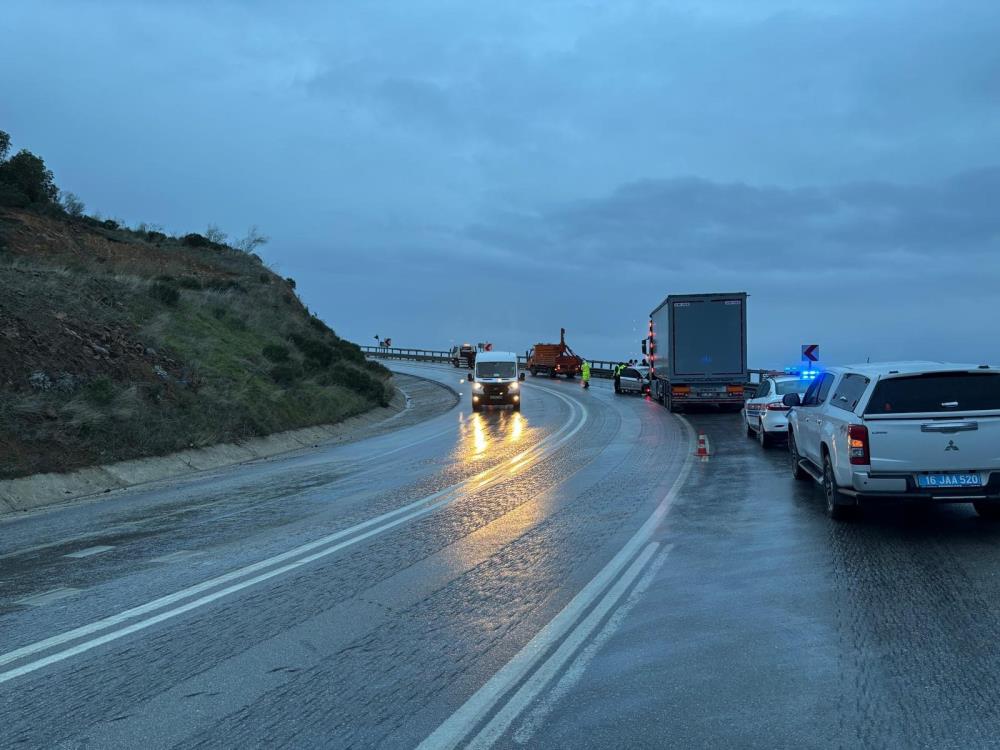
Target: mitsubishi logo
point(951, 446)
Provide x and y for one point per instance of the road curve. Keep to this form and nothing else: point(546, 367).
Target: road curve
point(415, 586)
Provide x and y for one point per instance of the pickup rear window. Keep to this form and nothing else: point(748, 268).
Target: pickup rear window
point(936, 392)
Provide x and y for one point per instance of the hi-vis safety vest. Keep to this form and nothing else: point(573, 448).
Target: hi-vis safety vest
point(586, 370)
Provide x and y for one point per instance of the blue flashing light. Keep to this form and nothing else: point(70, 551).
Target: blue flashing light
point(807, 374)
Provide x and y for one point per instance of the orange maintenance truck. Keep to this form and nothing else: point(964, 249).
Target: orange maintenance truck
point(554, 359)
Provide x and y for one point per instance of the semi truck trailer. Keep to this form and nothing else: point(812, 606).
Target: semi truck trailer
point(697, 350)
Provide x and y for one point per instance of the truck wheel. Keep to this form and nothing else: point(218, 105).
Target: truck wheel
point(534, 372)
point(793, 451)
point(837, 510)
point(989, 511)
point(570, 376)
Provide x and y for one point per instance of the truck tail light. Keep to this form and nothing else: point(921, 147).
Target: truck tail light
point(857, 445)
point(776, 406)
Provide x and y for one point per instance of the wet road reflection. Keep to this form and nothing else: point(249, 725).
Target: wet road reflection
point(483, 435)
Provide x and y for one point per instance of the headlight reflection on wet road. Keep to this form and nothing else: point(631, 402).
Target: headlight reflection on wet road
point(487, 433)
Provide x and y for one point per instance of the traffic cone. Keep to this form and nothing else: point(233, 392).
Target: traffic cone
point(702, 451)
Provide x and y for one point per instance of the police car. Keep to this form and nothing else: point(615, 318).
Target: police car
point(765, 415)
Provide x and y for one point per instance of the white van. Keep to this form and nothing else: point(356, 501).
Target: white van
point(496, 380)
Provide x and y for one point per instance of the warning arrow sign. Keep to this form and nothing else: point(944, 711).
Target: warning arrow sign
point(810, 352)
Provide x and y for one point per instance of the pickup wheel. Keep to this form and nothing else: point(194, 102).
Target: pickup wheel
point(990, 511)
point(516, 406)
point(834, 508)
point(793, 451)
point(477, 407)
point(750, 432)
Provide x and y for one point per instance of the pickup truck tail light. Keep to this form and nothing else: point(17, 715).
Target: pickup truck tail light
point(776, 406)
point(857, 444)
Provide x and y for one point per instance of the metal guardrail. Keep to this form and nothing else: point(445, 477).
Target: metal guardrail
point(600, 368)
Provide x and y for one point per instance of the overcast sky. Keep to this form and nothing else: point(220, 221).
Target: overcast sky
point(440, 171)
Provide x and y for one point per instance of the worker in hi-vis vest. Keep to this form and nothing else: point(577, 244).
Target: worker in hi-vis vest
point(619, 368)
point(586, 373)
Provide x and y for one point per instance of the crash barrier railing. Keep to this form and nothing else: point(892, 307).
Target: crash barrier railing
point(600, 368)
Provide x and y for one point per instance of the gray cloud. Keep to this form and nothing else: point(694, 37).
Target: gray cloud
point(452, 169)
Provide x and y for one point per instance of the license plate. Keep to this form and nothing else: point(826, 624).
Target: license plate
point(949, 480)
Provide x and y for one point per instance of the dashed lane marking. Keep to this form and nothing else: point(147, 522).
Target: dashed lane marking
point(47, 597)
point(90, 551)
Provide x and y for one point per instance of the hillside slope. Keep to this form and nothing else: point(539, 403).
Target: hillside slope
point(117, 344)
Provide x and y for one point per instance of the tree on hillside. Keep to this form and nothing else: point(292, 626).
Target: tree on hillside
point(24, 179)
point(252, 241)
point(71, 203)
point(216, 235)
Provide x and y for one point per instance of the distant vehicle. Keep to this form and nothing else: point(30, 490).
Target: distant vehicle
point(496, 381)
point(634, 379)
point(554, 359)
point(765, 415)
point(908, 430)
point(697, 347)
point(463, 356)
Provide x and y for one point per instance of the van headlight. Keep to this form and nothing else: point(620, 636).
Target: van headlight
point(512, 387)
point(477, 386)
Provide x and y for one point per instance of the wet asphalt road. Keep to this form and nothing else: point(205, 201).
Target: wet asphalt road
point(368, 594)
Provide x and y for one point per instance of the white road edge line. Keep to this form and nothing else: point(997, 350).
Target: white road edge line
point(575, 671)
point(418, 508)
point(542, 676)
point(459, 725)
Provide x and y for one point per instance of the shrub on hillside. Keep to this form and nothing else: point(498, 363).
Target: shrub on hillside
point(100, 391)
point(360, 382)
point(316, 352)
point(275, 352)
point(165, 293)
point(318, 324)
point(195, 240)
point(189, 282)
point(286, 374)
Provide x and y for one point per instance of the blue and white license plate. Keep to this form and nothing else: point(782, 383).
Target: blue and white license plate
point(949, 480)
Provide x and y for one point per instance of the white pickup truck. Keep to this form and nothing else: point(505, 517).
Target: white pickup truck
point(923, 431)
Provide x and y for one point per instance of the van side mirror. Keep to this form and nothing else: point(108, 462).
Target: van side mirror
point(791, 399)
point(521, 375)
point(472, 376)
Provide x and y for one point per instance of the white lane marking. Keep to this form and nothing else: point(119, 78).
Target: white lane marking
point(90, 551)
point(47, 597)
point(459, 725)
point(381, 523)
point(542, 676)
point(183, 554)
point(575, 671)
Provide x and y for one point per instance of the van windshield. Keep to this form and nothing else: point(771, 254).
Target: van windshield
point(936, 392)
point(495, 369)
